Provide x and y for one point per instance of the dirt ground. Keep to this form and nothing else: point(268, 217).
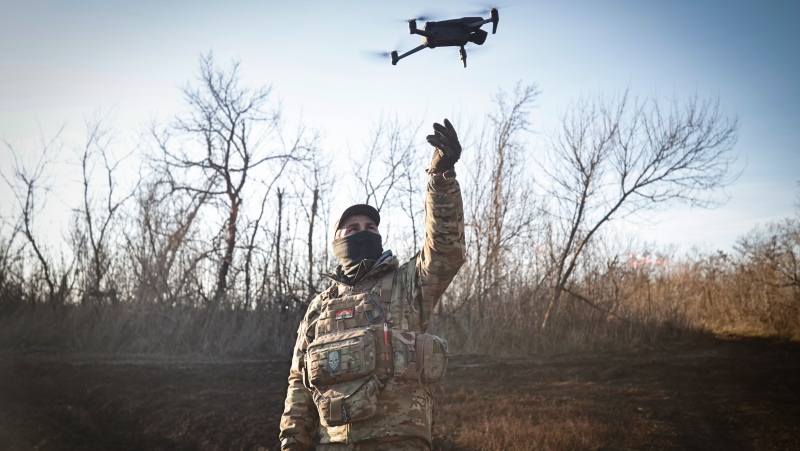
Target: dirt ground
point(715, 393)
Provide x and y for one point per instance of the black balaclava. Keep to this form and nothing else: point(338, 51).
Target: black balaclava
point(357, 253)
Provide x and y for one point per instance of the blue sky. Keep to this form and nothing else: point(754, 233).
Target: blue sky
point(60, 61)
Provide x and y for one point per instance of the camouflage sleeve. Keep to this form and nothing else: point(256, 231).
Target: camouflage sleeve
point(444, 249)
point(300, 418)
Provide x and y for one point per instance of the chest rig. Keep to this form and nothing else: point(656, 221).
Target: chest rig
point(362, 338)
point(350, 341)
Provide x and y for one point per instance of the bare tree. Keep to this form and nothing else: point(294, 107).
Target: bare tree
point(251, 247)
point(410, 193)
point(98, 213)
point(30, 185)
point(157, 245)
point(500, 208)
point(615, 158)
point(11, 277)
point(278, 242)
point(237, 131)
point(382, 167)
point(317, 181)
point(508, 210)
point(775, 247)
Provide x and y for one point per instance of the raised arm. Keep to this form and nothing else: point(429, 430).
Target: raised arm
point(443, 252)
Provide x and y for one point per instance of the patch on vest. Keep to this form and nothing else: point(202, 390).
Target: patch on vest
point(334, 361)
point(344, 313)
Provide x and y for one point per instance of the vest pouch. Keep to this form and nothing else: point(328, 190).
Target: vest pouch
point(432, 355)
point(404, 354)
point(341, 357)
point(421, 357)
point(347, 402)
point(349, 312)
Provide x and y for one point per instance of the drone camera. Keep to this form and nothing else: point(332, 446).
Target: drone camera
point(478, 36)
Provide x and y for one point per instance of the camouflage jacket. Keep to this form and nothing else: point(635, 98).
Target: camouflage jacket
point(405, 408)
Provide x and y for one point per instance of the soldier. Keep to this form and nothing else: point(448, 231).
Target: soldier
point(363, 362)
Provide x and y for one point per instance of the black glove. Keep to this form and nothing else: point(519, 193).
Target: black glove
point(448, 149)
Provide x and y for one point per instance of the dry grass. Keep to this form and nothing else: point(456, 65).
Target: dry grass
point(472, 420)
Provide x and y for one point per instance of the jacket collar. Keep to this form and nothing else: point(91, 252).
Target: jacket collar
point(385, 263)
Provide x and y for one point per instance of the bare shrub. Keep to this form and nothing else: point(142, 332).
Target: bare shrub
point(614, 158)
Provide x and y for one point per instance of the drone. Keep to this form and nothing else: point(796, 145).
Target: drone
point(450, 33)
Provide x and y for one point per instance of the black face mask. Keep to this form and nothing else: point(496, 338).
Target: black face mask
point(352, 249)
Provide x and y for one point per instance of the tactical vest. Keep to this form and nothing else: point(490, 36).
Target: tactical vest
point(359, 345)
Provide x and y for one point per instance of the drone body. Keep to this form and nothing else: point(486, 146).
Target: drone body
point(450, 33)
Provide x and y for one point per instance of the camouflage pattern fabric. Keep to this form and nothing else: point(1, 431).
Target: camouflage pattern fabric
point(405, 408)
point(379, 445)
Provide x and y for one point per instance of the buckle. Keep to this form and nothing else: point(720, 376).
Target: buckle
point(377, 308)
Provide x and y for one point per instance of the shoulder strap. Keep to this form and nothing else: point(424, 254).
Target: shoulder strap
point(383, 288)
point(385, 360)
point(386, 288)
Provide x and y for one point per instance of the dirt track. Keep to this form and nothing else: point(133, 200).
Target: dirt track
point(727, 393)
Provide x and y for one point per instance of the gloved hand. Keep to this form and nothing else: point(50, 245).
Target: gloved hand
point(448, 149)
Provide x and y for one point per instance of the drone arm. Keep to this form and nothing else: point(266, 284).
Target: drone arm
point(412, 29)
point(410, 52)
point(427, 34)
point(494, 20)
point(479, 23)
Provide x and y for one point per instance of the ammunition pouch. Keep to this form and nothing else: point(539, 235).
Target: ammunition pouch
point(341, 357)
point(421, 357)
point(347, 402)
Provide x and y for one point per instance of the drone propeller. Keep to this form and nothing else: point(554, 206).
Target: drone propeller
point(494, 19)
point(376, 54)
point(382, 54)
point(484, 9)
point(430, 15)
point(479, 12)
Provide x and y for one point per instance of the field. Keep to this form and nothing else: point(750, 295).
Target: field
point(708, 393)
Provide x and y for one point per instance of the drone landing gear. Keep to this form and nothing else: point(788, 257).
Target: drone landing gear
point(396, 58)
point(462, 54)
